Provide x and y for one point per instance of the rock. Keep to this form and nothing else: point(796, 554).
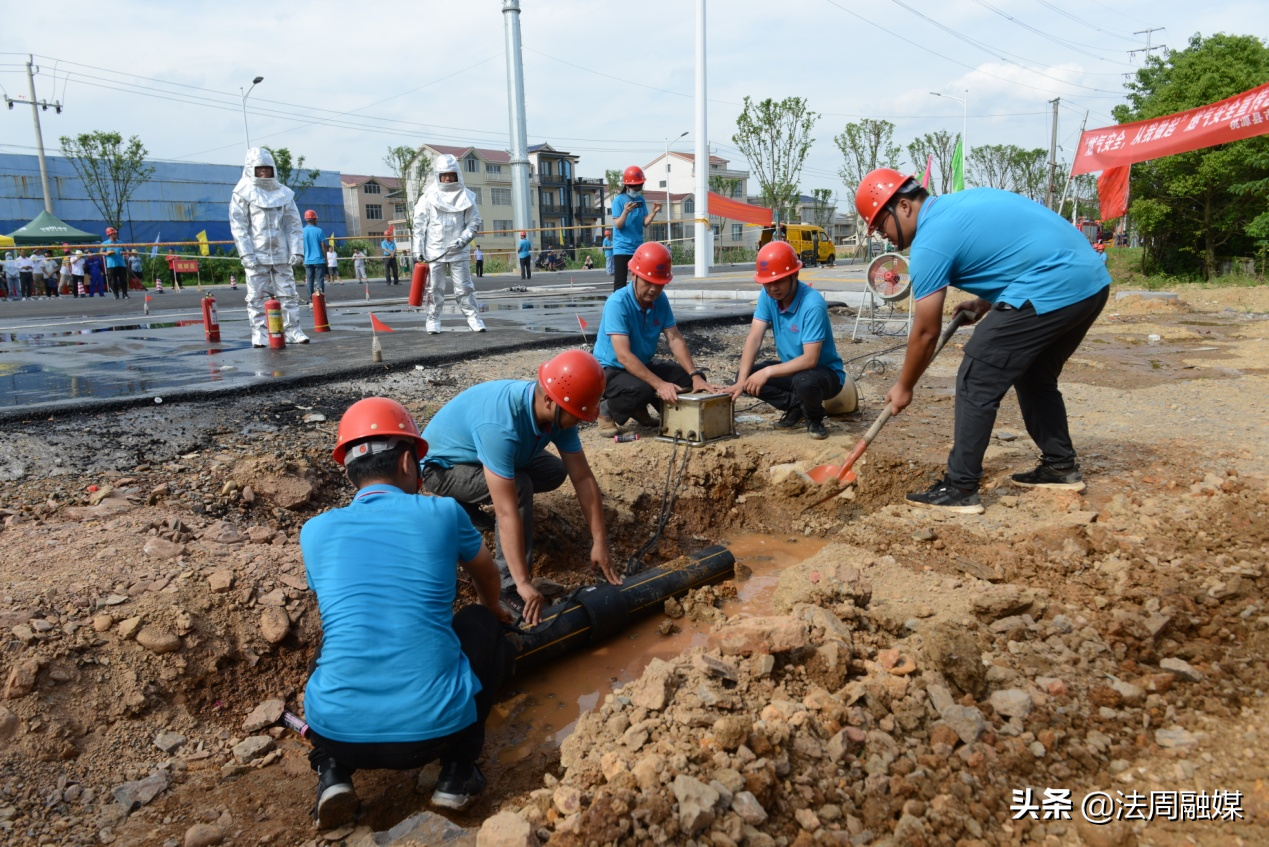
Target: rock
point(113, 600)
point(1007, 501)
point(260, 534)
point(748, 636)
point(314, 417)
point(1175, 736)
point(505, 829)
point(567, 799)
point(9, 725)
point(1182, 669)
point(129, 627)
point(161, 548)
point(924, 534)
point(696, 803)
point(219, 581)
point(103, 622)
point(158, 640)
point(203, 835)
point(673, 608)
point(168, 741)
point(252, 748)
point(265, 715)
point(21, 681)
point(953, 651)
point(807, 819)
point(715, 666)
point(223, 532)
point(818, 585)
point(1113, 834)
point(731, 731)
point(1000, 601)
point(1132, 695)
point(966, 721)
point(275, 625)
point(746, 805)
point(655, 688)
point(132, 795)
point(23, 633)
point(1011, 702)
point(941, 733)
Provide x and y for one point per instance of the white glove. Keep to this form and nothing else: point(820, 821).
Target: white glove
point(297, 259)
point(249, 263)
point(456, 245)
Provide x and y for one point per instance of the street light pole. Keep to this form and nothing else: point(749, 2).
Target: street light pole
point(669, 207)
point(964, 123)
point(247, 133)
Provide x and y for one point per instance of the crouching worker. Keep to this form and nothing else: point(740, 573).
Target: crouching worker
point(399, 680)
point(809, 371)
point(488, 445)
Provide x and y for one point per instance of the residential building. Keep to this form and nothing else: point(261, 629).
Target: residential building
point(370, 203)
point(570, 204)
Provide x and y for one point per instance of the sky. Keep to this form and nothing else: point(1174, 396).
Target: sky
point(608, 81)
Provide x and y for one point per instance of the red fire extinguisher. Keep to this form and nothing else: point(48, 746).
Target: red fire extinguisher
point(211, 324)
point(418, 284)
point(273, 319)
point(320, 323)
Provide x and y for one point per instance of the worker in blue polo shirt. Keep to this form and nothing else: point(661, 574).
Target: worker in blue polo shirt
point(1040, 286)
point(400, 680)
point(488, 445)
point(809, 371)
point(116, 268)
point(314, 255)
point(630, 329)
point(630, 217)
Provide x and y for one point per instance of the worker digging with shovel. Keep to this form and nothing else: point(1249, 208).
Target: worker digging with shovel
point(1039, 286)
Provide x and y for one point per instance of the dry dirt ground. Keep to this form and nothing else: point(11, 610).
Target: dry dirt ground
point(908, 679)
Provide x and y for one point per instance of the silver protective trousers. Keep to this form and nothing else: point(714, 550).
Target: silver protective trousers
point(278, 281)
point(464, 289)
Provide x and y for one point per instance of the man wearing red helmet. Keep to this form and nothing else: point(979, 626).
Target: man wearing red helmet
point(488, 445)
point(631, 327)
point(809, 371)
point(630, 217)
point(116, 268)
point(608, 251)
point(1040, 287)
point(400, 680)
point(314, 254)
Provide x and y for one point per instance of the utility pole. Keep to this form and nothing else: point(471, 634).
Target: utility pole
point(520, 206)
point(704, 236)
point(1070, 179)
point(36, 107)
point(1050, 195)
point(1148, 47)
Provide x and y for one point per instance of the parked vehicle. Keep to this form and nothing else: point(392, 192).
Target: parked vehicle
point(812, 243)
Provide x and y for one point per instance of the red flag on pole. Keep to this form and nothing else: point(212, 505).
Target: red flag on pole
point(378, 325)
point(1112, 192)
point(582, 322)
point(148, 298)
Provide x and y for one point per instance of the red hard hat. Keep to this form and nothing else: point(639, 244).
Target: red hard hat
point(111, 231)
point(651, 262)
point(524, 235)
point(875, 192)
point(310, 215)
point(608, 232)
point(776, 260)
point(575, 381)
point(633, 175)
point(375, 417)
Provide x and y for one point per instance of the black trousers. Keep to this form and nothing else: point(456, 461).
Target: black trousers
point(625, 393)
point(118, 278)
point(480, 268)
point(621, 271)
point(1018, 349)
point(391, 273)
point(807, 389)
point(489, 655)
point(526, 268)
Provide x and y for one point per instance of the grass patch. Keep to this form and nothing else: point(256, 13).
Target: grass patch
point(1124, 264)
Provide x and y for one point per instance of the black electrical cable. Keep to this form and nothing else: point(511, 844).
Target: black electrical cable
point(635, 564)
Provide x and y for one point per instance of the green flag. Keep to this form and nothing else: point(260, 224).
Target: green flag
point(958, 166)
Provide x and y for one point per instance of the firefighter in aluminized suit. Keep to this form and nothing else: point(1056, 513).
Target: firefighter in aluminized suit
point(267, 231)
point(445, 222)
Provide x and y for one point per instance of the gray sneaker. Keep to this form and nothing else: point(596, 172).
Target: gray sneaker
point(1062, 477)
point(945, 497)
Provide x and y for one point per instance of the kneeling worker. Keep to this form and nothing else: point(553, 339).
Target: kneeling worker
point(809, 371)
point(399, 680)
point(489, 444)
point(633, 321)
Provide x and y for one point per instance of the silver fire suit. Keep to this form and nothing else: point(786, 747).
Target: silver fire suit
point(268, 234)
point(445, 222)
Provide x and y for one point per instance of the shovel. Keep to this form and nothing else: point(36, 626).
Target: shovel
point(844, 475)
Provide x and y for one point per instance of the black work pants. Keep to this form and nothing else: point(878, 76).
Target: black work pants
point(489, 655)
point(805, 389)
point(620, 271)
point(625, 393)
point(391, 274)
point(118, 278)
point(480, 268)
point(1016, 348)
point(526, 268)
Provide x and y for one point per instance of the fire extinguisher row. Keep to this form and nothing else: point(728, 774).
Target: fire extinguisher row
point(272, 318)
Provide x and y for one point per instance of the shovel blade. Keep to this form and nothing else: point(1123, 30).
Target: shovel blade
point(823, 473)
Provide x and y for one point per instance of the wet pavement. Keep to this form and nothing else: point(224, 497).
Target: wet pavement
point(65, 355)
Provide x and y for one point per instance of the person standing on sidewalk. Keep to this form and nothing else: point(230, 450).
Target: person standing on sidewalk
point(445, 222)
point(1038, 289)
point(391, 271)
point(359, 264)
point(116, 268)
point(26, 276)
point(332, 264)
point(630, 217)
point(314, 255)
point(480, 262)
point(608, 251)
point(524, 251)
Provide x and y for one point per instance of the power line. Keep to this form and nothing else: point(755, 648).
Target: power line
point(1071, 45)
point(1080, 20)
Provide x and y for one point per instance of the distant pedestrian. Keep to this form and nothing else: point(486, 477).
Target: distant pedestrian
point(67, 282)
point(116, 270)
point(391, 272)
point(136, 272)
point(630, 217)
point(49, 266)
point(12, 279)
point(314, 257)
point(588, 263)
point(480, 261)
point(608, 251)
point(77, 274)
point(95, 271)
point(332, 265)
point(524, 250)
point(26, 276)
point(359, 264)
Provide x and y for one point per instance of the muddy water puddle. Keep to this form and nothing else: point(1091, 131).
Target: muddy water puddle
point(544, 706)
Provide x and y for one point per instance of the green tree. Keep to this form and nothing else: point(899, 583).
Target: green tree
point(1030, 171)
point(410, 168)
point(110, 170)
point(1192, 208)
point(991, 165)
point(823, 208)
point(613, 178)
point(941, 145)
point(290, 170)
point(775, 138)
point(866, 146)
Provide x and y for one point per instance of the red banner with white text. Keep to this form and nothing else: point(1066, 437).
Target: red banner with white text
point(1242, 116)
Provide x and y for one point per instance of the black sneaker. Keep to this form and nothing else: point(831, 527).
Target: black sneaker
point(458, 786)
point(791, 418)
point(947, 497)
point(480, 519)
point(1065, 477)
point(336, 800)
point(817, 430)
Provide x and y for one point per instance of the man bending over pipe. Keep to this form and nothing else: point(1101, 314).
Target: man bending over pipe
point(489, 444)
point(399, 680)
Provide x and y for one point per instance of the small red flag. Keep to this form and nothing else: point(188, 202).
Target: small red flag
point(378, 325)
point(582, 322)
point(148, 298)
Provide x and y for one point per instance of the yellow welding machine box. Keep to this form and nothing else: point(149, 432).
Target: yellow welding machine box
point(699, 419)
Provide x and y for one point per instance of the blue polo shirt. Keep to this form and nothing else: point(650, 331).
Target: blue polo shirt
point(607, 247)
point(492, 424)
point(523, 248)
point(314, 250)
point(1004, 248)
point(391, 667)
point(624, 316)
point(804, 322)
point(389, 248)
point(626, 239)
point(114, 254)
